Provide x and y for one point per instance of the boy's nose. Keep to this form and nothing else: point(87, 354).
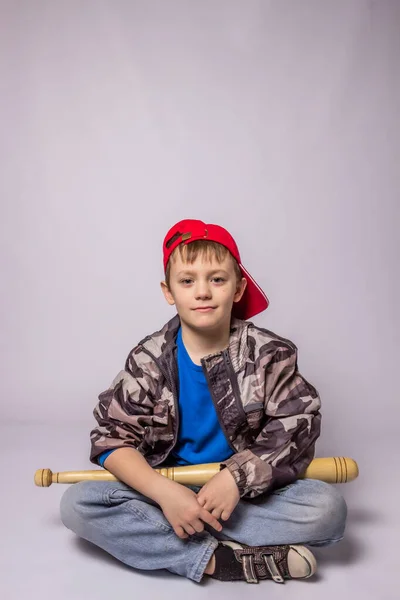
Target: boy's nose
point(202, 291)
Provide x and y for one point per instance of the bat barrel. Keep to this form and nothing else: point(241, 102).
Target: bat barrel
point(334, 469)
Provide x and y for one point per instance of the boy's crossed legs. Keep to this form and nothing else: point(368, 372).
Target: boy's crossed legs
point(133, 528)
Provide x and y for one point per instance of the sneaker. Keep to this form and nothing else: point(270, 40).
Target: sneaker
point(235, 562)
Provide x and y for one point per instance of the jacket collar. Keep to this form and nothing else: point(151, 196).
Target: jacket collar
point(163, 341)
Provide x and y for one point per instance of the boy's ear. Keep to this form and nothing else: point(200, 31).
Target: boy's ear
point(240, 289)
point(167, 294)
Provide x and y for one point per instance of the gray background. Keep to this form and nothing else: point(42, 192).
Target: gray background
point(277, 120)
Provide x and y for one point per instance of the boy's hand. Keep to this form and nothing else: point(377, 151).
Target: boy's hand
point(220, 495)
point(181, 508)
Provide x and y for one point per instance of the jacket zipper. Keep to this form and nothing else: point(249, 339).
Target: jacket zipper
point(235, 388)
point(232, 377)
point(216, 408)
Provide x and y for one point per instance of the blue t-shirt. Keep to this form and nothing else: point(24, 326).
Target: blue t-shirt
point(200, 437)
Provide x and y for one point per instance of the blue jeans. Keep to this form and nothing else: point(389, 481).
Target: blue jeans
point(133, 528)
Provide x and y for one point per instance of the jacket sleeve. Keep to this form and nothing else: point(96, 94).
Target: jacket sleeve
point(124, 410)
point(285, 446)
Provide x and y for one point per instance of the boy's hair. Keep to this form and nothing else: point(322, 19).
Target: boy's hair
point(208, 250)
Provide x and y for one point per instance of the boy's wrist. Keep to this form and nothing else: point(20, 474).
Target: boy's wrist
point(161, 486)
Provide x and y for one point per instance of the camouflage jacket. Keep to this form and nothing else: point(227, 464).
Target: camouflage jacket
point(267, 410)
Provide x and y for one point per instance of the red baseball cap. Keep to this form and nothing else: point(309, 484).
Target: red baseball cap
point(254, 299)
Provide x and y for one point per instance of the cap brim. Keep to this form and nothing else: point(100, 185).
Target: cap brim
point(253, 301)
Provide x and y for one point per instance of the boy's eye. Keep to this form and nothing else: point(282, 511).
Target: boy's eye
point(219, 279)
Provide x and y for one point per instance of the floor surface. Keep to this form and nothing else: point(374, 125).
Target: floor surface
point(40, 558)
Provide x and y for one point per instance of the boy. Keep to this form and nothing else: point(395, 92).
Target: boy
point(210, 386)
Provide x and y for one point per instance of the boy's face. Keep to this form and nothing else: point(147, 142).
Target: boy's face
point(203, 284)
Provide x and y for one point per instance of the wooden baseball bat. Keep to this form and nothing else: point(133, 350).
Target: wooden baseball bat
point(334, 469)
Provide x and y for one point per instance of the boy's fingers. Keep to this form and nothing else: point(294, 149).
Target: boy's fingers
point(217, 513)
point(189, 529)
point(225, 515)
point(208, 518)
point(180, 532)
point(197, 525)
